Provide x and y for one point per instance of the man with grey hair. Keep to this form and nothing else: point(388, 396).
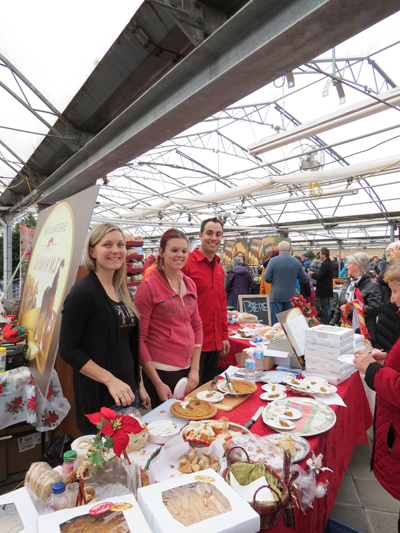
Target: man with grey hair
point(282, 272)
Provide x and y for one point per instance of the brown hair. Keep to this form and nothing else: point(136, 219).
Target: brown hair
point(167, 236)
point(274, 252)
point(119, 278)
point(392, 273)
point(325, 252)
point(215, 220)
point(297, 257)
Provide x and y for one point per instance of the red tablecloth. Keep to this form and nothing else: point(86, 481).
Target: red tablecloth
point(336, 445)
point(237, 345)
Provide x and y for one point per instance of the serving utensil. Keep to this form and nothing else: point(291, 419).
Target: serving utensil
point(229, 382)
point(213, 383)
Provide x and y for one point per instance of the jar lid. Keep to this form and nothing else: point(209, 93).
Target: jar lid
point(58, 488)
point(70, 456)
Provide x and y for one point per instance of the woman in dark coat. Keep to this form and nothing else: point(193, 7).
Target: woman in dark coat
point(239, 281)
point(370, 292)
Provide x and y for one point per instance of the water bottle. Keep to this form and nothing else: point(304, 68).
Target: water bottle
point(259, 355)
point(58, 498)
point(250, 367)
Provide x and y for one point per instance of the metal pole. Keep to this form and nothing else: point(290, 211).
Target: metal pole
point(340, 256)
point(7, 252)
point(391, 232)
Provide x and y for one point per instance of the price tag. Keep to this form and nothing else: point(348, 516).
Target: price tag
point(28, 442)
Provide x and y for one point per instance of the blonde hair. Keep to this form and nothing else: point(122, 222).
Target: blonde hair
point(119, 279)
point(392, 272)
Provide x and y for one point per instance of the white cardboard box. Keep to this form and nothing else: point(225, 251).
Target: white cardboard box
point(331, 378)
point(50, 523)
point(329, 335)
point(17, 512)
point(329, 366)
point(331, 351)
point(242, 518)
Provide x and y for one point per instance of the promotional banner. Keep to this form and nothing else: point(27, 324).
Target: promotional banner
point(232, 248)
point(26, 234)
point(56, 250)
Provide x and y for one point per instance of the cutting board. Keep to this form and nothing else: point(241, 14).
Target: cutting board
point(227, 404)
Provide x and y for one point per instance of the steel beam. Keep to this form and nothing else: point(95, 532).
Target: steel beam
point(261, 42)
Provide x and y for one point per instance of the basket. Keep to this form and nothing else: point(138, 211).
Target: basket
point(270, 512)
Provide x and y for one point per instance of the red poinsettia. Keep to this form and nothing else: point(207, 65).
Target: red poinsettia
point(50, 393)
point(115, 426)
point(32, 403)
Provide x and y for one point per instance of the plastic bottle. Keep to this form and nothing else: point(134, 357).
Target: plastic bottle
point(259, 355)
point(250, 368)
point(58, 498)
point(69, 462)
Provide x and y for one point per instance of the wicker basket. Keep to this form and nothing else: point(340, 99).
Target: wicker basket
point(270, 511)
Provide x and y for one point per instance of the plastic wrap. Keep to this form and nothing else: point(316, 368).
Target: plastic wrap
point(258, 449)
point(304, 487)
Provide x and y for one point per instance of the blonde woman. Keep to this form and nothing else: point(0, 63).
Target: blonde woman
point(99, 334)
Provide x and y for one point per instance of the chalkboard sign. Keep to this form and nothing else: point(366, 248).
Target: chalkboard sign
point(256, 304)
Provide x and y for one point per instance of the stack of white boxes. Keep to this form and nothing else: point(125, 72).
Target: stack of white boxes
point(324, 345)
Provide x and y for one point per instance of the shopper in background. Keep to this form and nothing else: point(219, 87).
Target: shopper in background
point(230, 265)
point(99, 334)
point(388, 325)
point(374, 264)
point(203, 266)
point(370, 292)
point(303, 288)
point(170, 326)
point(265, 288)
point(282, 272)
point(324, 290)
point(150, 260)
point(336, 266)
point(382, 374)
point(315, 264)
point(306, 261)
point(343, 274)
point(240, 281)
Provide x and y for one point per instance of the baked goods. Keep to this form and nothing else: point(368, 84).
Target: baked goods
point(193, 463)
point(207, 431)
point(247, 318)
point(193, 409)
point(40, 478)
point(286, 443)
point(139, 440)
point(240, 387)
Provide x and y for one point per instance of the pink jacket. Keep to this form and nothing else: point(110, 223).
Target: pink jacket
point(169, 325)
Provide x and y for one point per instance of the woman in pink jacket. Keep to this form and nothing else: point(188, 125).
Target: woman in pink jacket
point(171, 332)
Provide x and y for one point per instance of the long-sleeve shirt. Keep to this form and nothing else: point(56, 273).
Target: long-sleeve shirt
point(209, 278)
point(282, 272)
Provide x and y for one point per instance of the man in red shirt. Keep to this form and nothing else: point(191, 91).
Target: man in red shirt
point(204, 268)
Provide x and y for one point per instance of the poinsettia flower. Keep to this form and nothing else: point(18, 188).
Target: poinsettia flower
point(116, 426)
point(50, 393)
point(32, 403)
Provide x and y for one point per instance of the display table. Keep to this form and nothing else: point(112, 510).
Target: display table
point(336, 445)
point(21, 401)
point(237, 345)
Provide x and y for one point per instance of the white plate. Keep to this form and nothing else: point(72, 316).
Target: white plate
point(180, 388)
point(301, 443)
point(280, 411)
point(214, 398)
point(269, 387)
point(312, 380)
point(162, 431)
point(329, 389)
point(266, 396)
point(347, 358)
point(273, 422)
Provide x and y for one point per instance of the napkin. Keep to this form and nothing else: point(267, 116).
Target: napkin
point(247, 491)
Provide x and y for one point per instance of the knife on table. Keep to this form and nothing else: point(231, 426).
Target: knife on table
point(229, 382)
point(254, 418)
point(213, 383)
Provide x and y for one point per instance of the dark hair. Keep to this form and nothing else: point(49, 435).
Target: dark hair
point(274, 252)
point(167, 236)
point(215, 220)
point(325, 252)
point(297, 257)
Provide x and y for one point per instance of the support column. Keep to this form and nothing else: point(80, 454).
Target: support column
point(340, 255)
point(391, 233)
point(7, 252)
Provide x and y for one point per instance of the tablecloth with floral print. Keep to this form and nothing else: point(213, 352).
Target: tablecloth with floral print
point(22, 401)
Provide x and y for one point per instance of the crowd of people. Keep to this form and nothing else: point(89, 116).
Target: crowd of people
point(128, 354)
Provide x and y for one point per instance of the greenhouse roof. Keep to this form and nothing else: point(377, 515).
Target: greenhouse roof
point(312, 153)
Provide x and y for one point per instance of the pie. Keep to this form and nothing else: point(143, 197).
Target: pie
point(193, 409)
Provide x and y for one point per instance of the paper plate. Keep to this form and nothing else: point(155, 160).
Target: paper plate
point(301, 443)
point(212, 397)
point(277, 395)
point(280, 423)
point(273, 387)
point(322, 390)
point(347, 358)
point(289, 414)
point(180, 387)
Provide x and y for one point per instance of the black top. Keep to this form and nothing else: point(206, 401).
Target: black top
point(324, 277)
point(388, 325)
point(91, 330)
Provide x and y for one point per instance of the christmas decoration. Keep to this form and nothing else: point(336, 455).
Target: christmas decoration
point(358, 306)
point(321, 474)
point(308, 311)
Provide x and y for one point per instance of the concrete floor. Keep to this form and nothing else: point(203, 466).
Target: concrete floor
point(361, 501)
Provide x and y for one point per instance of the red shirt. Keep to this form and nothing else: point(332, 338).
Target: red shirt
point(209, 278)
